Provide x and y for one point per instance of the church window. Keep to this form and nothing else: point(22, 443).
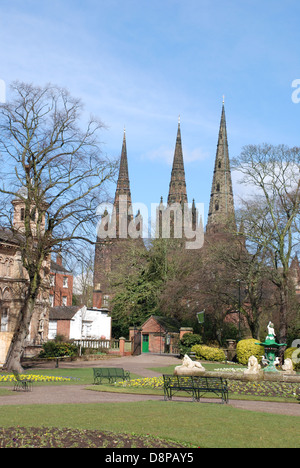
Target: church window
point(219, 165)
point(4, 320)
point(217, 206)
point(22, 214)
point(218, 187)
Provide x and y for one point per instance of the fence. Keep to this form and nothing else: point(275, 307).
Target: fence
point(98, 344)
point(103, 345)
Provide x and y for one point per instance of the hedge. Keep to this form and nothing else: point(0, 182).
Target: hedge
point(247, 348)
point(208, 354)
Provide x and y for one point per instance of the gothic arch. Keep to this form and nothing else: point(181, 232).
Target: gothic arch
point(6, 294)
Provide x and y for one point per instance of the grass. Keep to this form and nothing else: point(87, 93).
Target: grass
point(141, 424)
point(201, 425)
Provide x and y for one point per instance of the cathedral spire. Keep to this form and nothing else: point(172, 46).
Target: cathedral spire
point(177, 188)
point(123, 185)
point(221, 208)
point(123, 203)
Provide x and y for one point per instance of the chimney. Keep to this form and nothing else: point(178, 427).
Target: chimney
point(59, 259)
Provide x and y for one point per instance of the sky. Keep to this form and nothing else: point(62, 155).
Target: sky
point(141, 64)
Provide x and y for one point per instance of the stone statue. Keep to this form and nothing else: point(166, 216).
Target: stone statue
point(288, 367)
point(189, 367)
point(271, 332)
point(254, 368)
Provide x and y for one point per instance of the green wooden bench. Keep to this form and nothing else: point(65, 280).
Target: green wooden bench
point(22, 384)
point(196, 386)
point(110, 373)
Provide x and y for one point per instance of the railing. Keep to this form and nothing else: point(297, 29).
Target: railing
point(97, 344)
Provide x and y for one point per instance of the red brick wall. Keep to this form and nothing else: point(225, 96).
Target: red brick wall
point(151, 326)
point(156, 343)
point(63, 328)
point(59, 291)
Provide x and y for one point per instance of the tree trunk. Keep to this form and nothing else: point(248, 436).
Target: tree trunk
point(284, 294)
point(16, 349)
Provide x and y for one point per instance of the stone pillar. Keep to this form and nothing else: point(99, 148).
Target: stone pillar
point(231, 349)
point(184, 331)
point(122, 345)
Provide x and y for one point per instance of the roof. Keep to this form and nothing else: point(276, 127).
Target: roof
point(63, 312)
point(6, 235)
point(55, 267)
point(169, 324)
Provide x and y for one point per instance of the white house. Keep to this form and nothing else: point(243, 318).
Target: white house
point(78, 322)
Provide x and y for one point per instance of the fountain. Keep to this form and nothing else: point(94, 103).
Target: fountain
point(271, 349)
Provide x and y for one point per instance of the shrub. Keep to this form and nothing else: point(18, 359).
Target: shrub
point(187, 341)
point(58, 349)
point(247, 348)
point(288, 354)
point(209, 354)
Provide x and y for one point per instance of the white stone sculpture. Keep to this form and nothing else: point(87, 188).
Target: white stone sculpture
point(271, 332)
point(189, 367)
point(253, 367)
point(288, 367)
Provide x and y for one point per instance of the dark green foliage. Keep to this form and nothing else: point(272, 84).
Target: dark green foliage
point(187, 341)
point(58, 349)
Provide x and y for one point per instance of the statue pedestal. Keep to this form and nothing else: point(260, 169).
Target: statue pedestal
point(271, 349)
point(180, 370)
point(189, 367)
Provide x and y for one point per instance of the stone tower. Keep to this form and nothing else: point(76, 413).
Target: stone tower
point(170, 218)
point(221, 208)
point(113, 234)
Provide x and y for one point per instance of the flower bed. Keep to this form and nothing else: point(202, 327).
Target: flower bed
point(150, 382)
point(34, 378)
point(237, 387)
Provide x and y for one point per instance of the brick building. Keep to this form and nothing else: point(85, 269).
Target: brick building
point(61, 284)
point(79, 322)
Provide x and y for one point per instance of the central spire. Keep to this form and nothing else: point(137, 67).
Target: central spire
point(221, 208)
point(177, 188)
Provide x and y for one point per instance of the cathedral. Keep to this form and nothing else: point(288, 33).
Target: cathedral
point(221, 214)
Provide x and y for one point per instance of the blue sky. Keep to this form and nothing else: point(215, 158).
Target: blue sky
point(141, 63)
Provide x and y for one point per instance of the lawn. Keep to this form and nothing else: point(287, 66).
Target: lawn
point(202, 425)
point(139, 424)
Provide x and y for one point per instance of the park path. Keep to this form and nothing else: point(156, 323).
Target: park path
point(77, 394)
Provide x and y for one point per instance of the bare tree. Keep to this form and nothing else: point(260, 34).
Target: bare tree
point(60, 170)
point(272, 221)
